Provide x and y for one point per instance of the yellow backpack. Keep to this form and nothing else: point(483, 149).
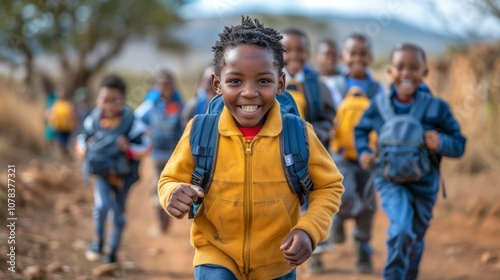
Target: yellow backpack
point(62, 116)
point(349, 114)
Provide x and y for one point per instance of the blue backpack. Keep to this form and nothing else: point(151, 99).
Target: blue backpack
point(204, 138)
point(403, 157)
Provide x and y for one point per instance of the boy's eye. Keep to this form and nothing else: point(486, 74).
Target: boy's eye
point(264, 81)
point(234, 81)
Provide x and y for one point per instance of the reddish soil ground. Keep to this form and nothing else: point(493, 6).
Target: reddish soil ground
point(54, 227)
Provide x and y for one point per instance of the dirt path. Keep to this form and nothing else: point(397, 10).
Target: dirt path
point(454, 248)
point(56, 226)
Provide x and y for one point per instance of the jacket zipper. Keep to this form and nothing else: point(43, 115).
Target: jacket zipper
point(247, 202)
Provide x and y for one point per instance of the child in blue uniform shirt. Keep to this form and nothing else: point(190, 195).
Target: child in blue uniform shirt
point(409, 205)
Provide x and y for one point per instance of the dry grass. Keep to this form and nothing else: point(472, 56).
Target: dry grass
point(468, 80)
point(21, 121)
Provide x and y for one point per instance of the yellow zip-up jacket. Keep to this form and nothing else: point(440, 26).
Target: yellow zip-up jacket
point(249, 208)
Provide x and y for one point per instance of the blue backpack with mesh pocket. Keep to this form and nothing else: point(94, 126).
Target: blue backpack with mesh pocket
point(204, 138)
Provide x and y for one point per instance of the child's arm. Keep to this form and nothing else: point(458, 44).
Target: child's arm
point(361, 133)
point(137, 143)
point(324, 199)
point(451, 142)
point(177, 172)
point(144, 111)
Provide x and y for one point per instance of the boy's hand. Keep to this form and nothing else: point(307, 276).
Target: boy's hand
point(123, 143)
point(367, 160)
point(297, 247)
point(431, 139)
point(182, 198)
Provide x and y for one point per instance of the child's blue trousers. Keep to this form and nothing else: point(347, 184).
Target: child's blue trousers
point(209, 272)
point(108, 197)
point(409, 213)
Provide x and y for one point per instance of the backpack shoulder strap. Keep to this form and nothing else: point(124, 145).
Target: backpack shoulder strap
point(295, 153)
point(384, 106)
point(372, 89)
point(128, 123)
point(421, 104)
point(204, 139)
point(287, 103)
point(312, 94)
point(94, 115)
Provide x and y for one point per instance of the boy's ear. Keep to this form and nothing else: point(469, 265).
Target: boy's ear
point(426, 71)
point(215, 81)
point(281, 83)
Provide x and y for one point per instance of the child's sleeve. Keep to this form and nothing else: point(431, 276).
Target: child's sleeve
point(178, 169)
point(363, 129)
point(144, 111)
point(81, 139)
point(140, 142)
point(451, 140)
point(324, 199)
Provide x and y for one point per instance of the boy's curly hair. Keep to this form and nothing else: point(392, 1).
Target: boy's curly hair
point(115, 82)
point(249, 32)
point(408, 47)
point(361, 38)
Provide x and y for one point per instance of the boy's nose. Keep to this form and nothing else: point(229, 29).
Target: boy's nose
point(250, 91)
point(405, 73)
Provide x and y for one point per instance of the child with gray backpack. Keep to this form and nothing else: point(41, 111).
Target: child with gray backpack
point(112, 142)
point(415, 130)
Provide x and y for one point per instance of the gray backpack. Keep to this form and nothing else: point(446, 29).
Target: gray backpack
point(103, 157)
point(402, 154)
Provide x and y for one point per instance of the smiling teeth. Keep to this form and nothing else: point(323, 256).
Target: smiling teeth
point(406, 83)
point(249, 108)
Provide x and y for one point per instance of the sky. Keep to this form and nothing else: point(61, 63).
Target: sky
point(457, 13)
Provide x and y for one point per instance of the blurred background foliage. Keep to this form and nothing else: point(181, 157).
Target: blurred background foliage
point(82, 35)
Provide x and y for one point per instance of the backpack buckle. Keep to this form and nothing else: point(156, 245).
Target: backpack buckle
point(197, 178)
point(306, 183)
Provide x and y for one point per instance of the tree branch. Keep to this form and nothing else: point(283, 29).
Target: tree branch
point(115, 50)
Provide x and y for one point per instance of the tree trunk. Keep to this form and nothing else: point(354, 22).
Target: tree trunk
point(29, 83)
point(79, 78)
point(81, 74)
